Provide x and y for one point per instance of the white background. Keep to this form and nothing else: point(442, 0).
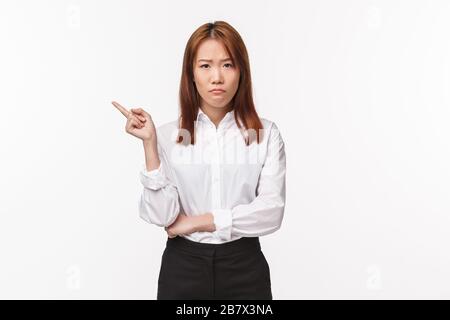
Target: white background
point(359, 90)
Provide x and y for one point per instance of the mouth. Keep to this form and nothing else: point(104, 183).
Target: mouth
point(217, 91)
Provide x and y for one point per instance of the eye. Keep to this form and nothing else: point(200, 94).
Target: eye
point(224, 65)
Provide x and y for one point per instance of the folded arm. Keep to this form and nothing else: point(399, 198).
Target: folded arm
point(265, 213)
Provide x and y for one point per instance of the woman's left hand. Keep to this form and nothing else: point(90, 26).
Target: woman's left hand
point(182, 225)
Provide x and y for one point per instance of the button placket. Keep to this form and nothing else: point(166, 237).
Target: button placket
point(215, 166)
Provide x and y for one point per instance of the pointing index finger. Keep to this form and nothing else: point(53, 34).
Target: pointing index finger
point(124, 111)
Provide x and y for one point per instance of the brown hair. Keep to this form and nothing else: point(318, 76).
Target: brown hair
point(242, 102)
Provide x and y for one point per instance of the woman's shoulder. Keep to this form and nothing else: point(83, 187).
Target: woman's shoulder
point(167, 125)
point(271, 130)
point(269, 124)
point(167, 131)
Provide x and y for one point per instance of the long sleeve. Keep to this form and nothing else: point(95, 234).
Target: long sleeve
point(265, 213)
point(159, 200)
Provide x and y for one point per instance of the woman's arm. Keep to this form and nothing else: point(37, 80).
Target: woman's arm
point(188, 224)
point(159, 201)
point(204, 222)
point(264, 214)
point(152, 160)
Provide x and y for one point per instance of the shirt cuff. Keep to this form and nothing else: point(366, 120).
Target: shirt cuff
point(223, 223)
point(154, 179)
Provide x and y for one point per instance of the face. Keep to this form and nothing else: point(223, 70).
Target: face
point(214, 69)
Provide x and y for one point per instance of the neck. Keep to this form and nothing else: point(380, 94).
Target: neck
point(216, 114)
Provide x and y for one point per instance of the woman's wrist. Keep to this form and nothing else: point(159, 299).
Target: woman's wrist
point(204, 222)
point(149, 143)
point(152, 160)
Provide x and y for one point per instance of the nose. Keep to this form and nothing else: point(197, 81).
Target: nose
point(216, 76)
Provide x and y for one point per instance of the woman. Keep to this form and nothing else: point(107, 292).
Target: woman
point(215, 177)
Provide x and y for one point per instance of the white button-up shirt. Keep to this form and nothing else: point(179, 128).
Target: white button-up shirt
point(242, 186)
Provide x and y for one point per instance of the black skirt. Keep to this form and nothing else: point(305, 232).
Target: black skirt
point(234, 270)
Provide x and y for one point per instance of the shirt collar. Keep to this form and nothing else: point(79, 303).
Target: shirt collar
point(200, 114)
point(203, 116)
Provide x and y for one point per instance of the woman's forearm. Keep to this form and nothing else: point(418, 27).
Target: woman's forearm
point(152, 160)
point(204, 222)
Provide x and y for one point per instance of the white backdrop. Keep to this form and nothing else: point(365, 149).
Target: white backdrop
point(359, 90)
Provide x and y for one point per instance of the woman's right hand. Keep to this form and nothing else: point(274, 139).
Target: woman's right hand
point(139, 122)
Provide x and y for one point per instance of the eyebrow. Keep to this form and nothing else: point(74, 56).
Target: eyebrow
point(209, 60)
